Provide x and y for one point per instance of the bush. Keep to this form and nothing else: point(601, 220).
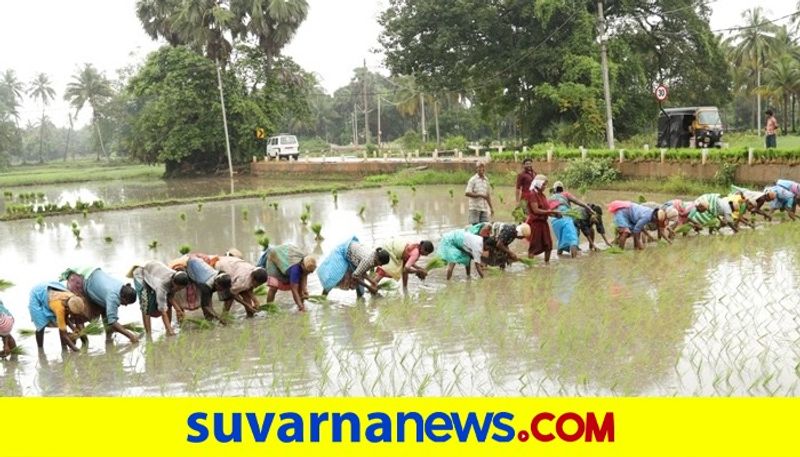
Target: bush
point(455, 143)
point(411, 140)
point(371, 148)
point(726, 174)
point(587, 172)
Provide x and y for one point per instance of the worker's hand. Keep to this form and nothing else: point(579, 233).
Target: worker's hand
point(134, 339)
point(513, 257)
point(422, 274)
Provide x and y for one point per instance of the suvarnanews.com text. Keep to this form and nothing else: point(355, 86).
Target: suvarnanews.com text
point(400, 427)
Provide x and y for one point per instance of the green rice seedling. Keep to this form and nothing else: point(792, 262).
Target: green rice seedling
point(92, 328)
point(5, 284)
point(527, 261)
point(450, 192)
point(518, 214)
point(200, 324)
point(361, 210)
point(199, 207)
point(18, 350)
point(573, 213)
point(413, 189)
point(40, 195)
point(388, 285)
point(304, 218)
point(307, 208)
point(614, 250)
point(683, 229)
point(263, 241)
point(395, 199)
point(108, 239)
point(641, 198)
point(40, 220)
point(76, 232)
point(85, 213)
point(185, 249)
point(8, 194)
point(259, 231)
point(270, 308)
point(133, 327)
point(434, 263)
point(25, 332)
point(153, 245)
point(418, 219)
point(74, 224)
point(245, 214)
point(274, 205)
point(500, 197)
point(182, 216)
point(335, 194)
point(318, 299)
point(317, 229)
point(260, 291)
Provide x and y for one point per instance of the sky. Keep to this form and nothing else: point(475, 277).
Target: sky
point(57, 36)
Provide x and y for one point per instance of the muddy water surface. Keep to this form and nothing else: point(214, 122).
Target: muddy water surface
point(708, 316)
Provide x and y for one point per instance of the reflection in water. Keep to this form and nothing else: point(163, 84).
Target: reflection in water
point(709, 316)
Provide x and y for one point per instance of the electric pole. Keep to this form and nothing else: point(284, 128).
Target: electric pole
point(379, 120)
point(225, 123)
point(364, 96)
point(422, 111)
point(601, 29)
point(355, 124)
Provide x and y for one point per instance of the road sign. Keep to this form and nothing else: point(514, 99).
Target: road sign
point(661, 92)
point(260, 134)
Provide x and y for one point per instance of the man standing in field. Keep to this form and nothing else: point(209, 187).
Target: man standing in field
point(524, 180)
point(478, 192)
point(771, 130)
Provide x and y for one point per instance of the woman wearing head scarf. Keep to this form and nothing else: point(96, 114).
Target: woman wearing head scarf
point(52, 305)
point(404, 257)
point(462, 247)
point(288, 268)
point(564, 227)
point(785, 200)
point(755, 200)
point(204, 280)
point(592, 221)
point(678, 212)
point(156, 285)
point(718, 209)
point(501, 255)
point(632, 218)
point(348, 265)
point(538, 212)
point(6, 325)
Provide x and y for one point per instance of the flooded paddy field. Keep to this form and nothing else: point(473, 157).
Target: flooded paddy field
point(710, 315)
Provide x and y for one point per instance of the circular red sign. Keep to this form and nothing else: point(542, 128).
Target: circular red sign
point(661, 92)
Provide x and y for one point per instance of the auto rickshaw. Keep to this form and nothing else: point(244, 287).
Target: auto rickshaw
point(690, 127)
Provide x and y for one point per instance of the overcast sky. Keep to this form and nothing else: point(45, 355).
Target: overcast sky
point(57, 36)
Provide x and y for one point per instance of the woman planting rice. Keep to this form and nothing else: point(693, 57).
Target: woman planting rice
point(156, 285)
point(785, 200)
point(501, 254)
point(632, 218)
point(755, 200)
point(592, 221)
point(538, 212)
point(288, 268)
point(718, 209)
point(403, 260)
point(51, 305)
point(462, 247)
point(564, 227)
point(245, 277)
point(6, 325)
point(348, 265)
point(204, 281)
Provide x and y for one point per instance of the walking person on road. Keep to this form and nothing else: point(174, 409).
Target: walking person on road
point(771, 130)
point(479, 193)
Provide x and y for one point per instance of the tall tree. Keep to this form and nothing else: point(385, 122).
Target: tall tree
point(158, 18)
point(16, 89)
point(42, 90)
point(783, 81)
point(751, 45)
point(89, 86)
point(272, 23)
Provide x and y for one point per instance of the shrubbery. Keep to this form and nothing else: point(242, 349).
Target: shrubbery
point(587, 172)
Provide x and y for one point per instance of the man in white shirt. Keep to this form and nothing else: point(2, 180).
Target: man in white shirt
point(479, 193)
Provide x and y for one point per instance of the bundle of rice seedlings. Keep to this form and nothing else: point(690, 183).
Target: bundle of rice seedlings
point(182, 216)
point(133, 327)
point(40, 220)
point(25, 332)
point(274, 205)
point(335, 194)
point(200, 324)
point(226, 317)
point(451, 193)
point(317, 229)
point(500, 197)
point(418, 218)
point(260, 291)
point(573, 213)
point(527, 261)
point(492, 271)
point(318, 299)
point(259, 231)
point(185, 249)
point(76, 232)
point(199, 207)
point(434, 263)
point(108, 239)
point(307, 208)
point(5, 284)
point(245, 214)
point(413, 189)
point(18, 350)
point(270, 308)
point(641, 199)
point(263, 241)
point(614, 250)
point(518, 214)
point(92, 328)
point(304, 218)
point(395, 199)
point(388, 285)
point(683, 229)
point(153, 244)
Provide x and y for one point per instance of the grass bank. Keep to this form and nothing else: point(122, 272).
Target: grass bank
point(77, 171)
point(262, 193)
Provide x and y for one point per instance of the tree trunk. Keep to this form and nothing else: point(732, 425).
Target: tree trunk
point(41, 139)
point(69, 131)
point(785, 114)
point(99, 137)
point(794, 119)
point(758, 98)
point(436, 120)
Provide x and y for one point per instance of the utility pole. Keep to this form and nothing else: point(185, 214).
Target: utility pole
point(225, 124)
point(364, 96)
point(601, 29)
point(355, 124)
point(379, 120)
point(422, 111)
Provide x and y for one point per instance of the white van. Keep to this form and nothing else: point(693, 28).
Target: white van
point(283, 146)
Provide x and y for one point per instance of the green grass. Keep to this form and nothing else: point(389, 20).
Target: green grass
point(78, 171)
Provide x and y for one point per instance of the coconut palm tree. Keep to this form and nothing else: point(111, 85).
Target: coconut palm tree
point(783, 80)
point(16, 89)
point(158, 18)
point(41, 89)
point(88, 86)
point(752, 45)
point(272, 23)
point(410, 100)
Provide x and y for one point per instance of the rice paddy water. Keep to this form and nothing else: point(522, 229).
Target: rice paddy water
point(710, 315)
